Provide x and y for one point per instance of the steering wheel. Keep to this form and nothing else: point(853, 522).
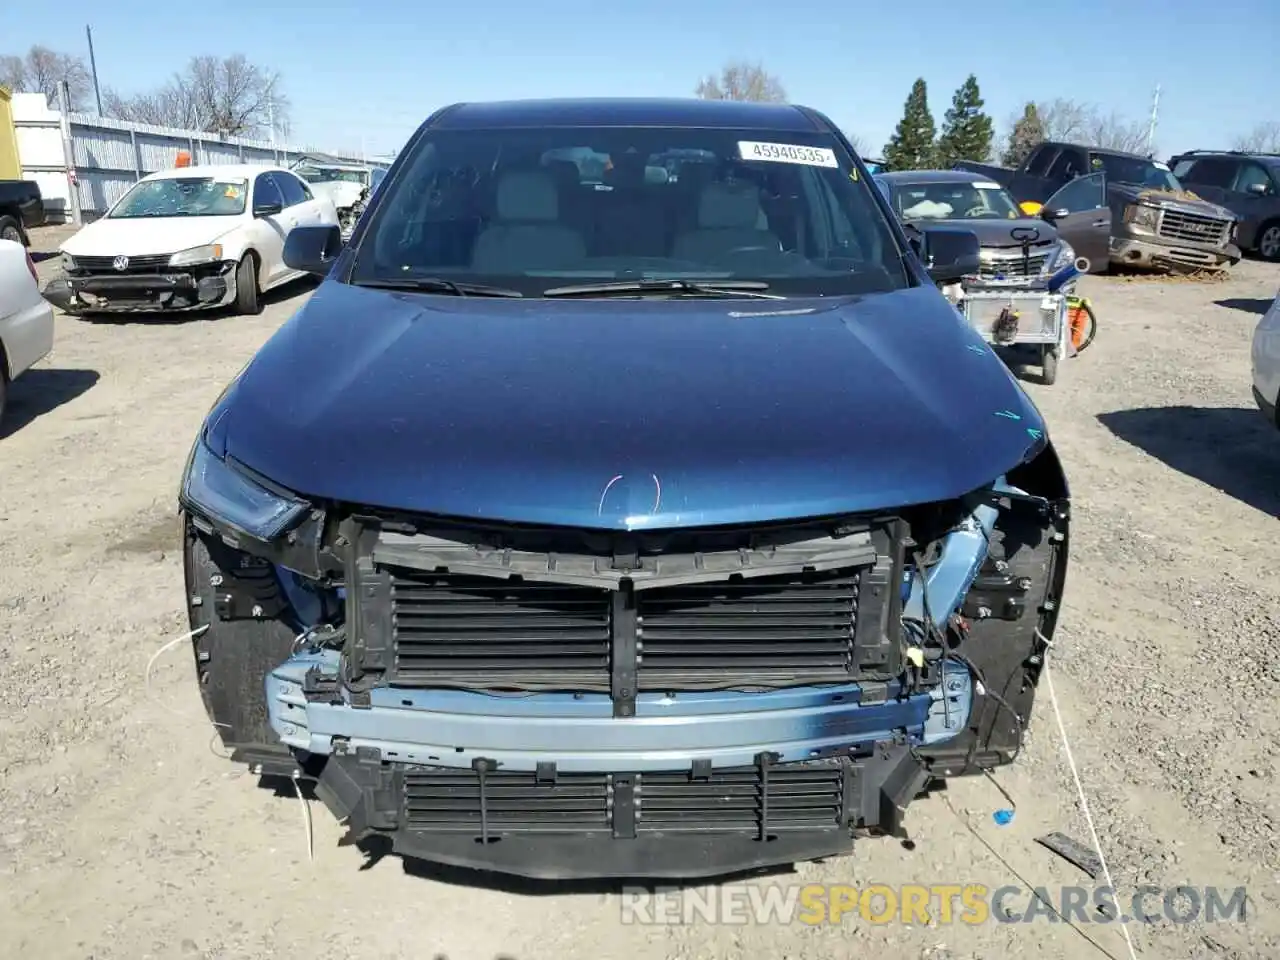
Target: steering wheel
point(975, 212)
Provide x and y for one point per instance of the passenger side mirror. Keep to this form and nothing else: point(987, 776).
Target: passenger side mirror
point(1260, 189)
point(269, 209)
point(949, 253)
point(1051, 215)
point(312, 249)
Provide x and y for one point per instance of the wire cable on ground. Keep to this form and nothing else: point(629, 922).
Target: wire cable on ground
point(306, 818)
point(1080, 794)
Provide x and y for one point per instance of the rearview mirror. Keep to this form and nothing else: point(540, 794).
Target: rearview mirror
point(949, 253)
point(312, 249)
point(269, 209)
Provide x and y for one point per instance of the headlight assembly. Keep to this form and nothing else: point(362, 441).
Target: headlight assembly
point(1142, 216)
point(208, 253)
point(225, 493)
point(1064, 256)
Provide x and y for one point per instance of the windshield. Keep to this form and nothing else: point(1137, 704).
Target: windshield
point(1135, 170)
point(533, 209)
point(955, 200)
point(183, 197)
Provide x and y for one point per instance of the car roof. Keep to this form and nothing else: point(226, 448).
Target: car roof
point(628, 112)
point(246, 170)
point(932, 176)
point(1268, 159)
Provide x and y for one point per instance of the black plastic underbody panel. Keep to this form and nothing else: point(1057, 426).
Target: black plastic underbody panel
point(708, 822)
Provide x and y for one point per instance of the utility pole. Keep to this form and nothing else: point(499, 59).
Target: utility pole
point(1155, 112)
point(271, 115)
point(93, 69)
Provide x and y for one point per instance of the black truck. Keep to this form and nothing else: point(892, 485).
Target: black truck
point(21, 207)
point(1155, 221)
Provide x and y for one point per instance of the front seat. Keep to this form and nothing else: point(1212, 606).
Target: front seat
point(729, 217)
point(525, 233)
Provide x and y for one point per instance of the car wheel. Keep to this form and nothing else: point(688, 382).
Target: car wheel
point(1269, 241)
point(11, 229)
point(1049, 367)
point(248, 299)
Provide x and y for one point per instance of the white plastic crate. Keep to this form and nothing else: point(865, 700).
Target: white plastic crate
point(1041, 317)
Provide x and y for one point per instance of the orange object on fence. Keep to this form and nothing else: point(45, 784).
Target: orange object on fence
point(184, 159)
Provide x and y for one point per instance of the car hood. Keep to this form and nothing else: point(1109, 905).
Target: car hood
point(997, 233)
point(1181, 200)
point(627, 414)
point(142, 236)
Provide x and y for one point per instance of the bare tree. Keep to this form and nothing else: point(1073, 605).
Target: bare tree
point(740, 80)
point(40, 70)
point(1114, 132)
point(218, 95)
point(1063, 119)
point(1264, 138)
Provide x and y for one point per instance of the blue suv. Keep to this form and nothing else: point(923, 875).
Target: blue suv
point(627, 501)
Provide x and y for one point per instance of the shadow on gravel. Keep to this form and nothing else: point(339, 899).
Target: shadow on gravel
point(41, 391)
point(1247, 304)
point(41, 257)
point(1233, 449)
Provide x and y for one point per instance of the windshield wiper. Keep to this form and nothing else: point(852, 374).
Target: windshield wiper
point(715, 288)
point(439, 285)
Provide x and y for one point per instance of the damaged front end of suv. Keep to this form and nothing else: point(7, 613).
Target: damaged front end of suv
point(639, 617)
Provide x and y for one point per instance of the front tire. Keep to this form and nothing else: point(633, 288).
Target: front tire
point(11, 229)
point(248, 293)
point(1269, 241)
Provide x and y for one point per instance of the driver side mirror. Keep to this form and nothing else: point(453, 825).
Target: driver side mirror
point(1049, 215)
point(948, 253)
point(268, 209)
point(1259, 189)
point(312, 249)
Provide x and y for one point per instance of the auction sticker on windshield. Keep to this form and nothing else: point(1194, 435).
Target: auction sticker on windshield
point(787, 153)
point(986, 185)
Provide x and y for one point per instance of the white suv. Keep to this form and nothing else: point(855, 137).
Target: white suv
point(1266, 362)
point(26, 320)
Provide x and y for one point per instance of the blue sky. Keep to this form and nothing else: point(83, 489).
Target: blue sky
point(372, 76)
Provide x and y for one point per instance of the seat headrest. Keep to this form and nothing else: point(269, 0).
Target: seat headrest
point(527, 195)
point(724, 207)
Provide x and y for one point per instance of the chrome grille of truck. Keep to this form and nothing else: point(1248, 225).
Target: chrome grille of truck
point(144, 264)
point(1011, 266)
point(763, 800)
point(1185, 227)
point(480, 633)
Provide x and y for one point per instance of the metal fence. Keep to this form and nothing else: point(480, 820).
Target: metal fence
point(109, 156)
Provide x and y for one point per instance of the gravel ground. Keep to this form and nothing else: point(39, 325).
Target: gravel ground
point(124, 835)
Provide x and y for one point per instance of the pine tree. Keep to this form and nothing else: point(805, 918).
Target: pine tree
point(966, 130)
point(1023, 138)
point(912, 146)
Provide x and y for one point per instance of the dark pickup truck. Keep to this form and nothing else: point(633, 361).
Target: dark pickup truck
point(21, 206)
point(1155, 221)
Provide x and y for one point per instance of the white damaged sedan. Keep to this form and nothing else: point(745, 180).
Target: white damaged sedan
point(26, 321)
point(1266, 362)
point(189, 238)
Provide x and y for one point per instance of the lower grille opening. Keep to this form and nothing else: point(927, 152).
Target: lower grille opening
point(742, 801)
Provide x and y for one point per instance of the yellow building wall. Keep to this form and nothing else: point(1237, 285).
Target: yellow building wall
point(10, 168)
